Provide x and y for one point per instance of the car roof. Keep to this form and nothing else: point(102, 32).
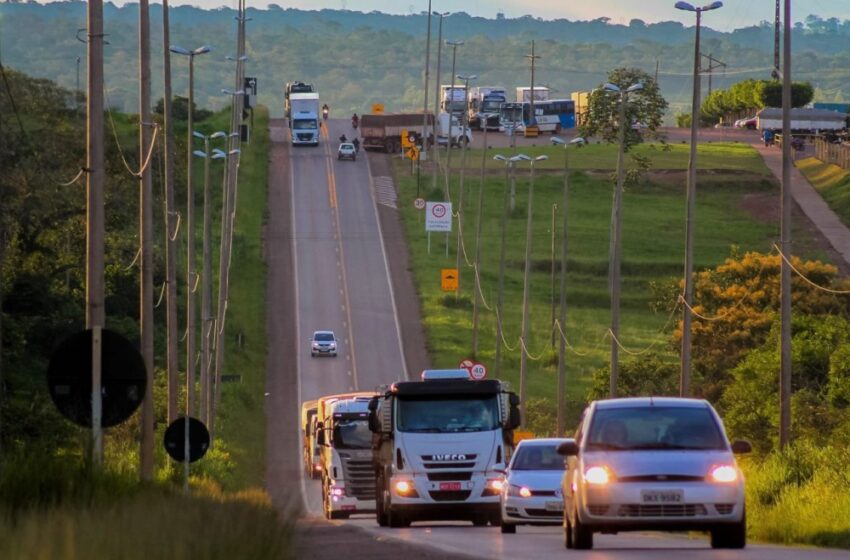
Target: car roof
point(541, 442)
point(651, 401)
point(321, 332)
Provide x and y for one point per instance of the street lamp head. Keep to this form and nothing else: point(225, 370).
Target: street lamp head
point(685, 6)
point(454, 43)
point(712, 6)
point(438, 14)
point(200, 153)
point(520, 157)
point(197, 134)
point(500, 157)
point(578, 140)
point(218, 153)
point(541, 158)
point(611, 87)
point(231, 92)
point(467, 78)
point(219, 134)
point(176, 49)
point(634, 87)
point(558, 141)
point(242, 58)
point(234, 151)
point(202, 50)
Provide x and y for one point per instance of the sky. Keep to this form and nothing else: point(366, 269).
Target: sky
point(734, 13)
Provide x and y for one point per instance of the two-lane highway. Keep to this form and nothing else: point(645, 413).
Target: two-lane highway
point(341, 283)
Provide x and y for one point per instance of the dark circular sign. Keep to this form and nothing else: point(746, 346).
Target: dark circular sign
point(175, 439)
point(123, 378)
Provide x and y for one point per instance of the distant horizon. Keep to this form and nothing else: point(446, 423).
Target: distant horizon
point(735, 14)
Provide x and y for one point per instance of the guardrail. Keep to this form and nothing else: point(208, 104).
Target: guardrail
point(838, 154)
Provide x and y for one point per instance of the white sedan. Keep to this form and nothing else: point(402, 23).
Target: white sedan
point(653, 464)
point(347, 151)
point(531, 492)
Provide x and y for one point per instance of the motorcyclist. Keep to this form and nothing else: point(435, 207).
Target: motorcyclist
point(325, 111)
point(343, 139)
point(356, 143)
point(355, 120)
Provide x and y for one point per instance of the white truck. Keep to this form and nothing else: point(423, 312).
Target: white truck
point(312, 466)
point(345, 444)
point(484, 104)
point(523, 94)
point(453, 99)
point(440, 447)
point(449, 127)
point(304, 118)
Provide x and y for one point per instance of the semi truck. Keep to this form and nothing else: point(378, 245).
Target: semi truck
point(345, 443)
point(449, 127)
point(802, 120)
point(295, 87)
point(453, 99)
point(440, 446)
point(312, 466)
point(484, 104)
point(304, 118)
point(383, 132)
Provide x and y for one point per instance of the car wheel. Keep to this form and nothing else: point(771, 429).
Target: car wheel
point(568, 531)
point(508, 528)
point(582, 536)
point(730, 536)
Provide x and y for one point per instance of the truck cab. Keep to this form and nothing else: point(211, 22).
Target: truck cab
point(304, 118)
point(453, 132)
point(484, 105)
point(345, 444)
point(439, 447)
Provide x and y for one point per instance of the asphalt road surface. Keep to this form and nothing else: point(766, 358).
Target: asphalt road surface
point(340, 281)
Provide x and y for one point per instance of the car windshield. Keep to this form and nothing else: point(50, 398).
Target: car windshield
point(352, 434)
point(654, 427)
point(346, 147)
point(468, 414)
point(537, 458)
point(323, 337)
point(304, 124)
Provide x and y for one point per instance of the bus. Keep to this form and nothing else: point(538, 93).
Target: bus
point(551, 116)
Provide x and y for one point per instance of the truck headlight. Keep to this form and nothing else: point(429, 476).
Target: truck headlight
point(406, 489)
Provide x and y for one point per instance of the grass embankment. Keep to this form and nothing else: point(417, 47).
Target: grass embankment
point(831, 182)
point(653, 251)
point(56, 509)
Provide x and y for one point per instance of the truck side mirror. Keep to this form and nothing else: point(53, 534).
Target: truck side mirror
point(373, 404)
point(374, 425)
point(514, 421)
point(514, 399)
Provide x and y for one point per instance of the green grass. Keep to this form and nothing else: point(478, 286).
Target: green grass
point(831, 182)
point(653, 250)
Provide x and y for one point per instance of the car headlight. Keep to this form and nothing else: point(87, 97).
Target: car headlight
point(723, 474)
point(598, 475)
point(519, 491)
point(315, 345)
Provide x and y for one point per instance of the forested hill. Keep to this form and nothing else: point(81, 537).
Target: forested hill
point(357, 58)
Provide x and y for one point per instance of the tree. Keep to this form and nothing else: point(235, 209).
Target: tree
point(642, 108)
point(642, 377)
point(801, 94)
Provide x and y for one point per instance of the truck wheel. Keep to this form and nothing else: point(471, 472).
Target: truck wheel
point(380, 513)
point(395, 520)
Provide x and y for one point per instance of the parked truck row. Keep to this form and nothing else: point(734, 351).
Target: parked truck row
point(414, 450)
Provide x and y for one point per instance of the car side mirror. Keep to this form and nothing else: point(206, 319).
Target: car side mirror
point(740, 446)
point(568, 449)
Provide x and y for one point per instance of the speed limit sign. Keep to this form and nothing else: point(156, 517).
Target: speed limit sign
point(419, 203)
point(478, 371)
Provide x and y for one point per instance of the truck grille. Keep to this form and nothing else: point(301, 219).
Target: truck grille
point(449, 495)
point(537, 512)
point(359, 478)
point(304, 137)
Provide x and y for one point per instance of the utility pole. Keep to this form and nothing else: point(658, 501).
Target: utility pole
point(95, 229)
point(785, 281)
point(191, 283)
point(713, 64)
point(454, 45)
point(436, 152)
point(614, 273)
point(146, 453)
point(463, 146)
point(427, 76)
point(171, 224)
point(532, 57)
point(501, 283)
point(477, 270)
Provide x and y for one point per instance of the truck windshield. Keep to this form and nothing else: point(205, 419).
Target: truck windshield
point(469, 414)
point(490, 106)
point(352, 434)
point(304, 124)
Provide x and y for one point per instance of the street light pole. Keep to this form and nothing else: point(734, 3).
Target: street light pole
point(477, 270)
point(616, 235)
point(562, 309)
point(434, 150)
point(523, 357)
point(785, 277)
point(427, 76)
point(454, 45)
point(685, 373)
point(501, 283)
point(190, 234)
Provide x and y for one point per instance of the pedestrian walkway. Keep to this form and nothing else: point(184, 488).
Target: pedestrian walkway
point(385, 191)
point(810, 202)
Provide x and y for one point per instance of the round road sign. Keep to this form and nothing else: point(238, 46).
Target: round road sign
point(467, 365)
point(123, 378)
point(419, 203)
point(175, 439)
point(478, 371)
point(438, 210)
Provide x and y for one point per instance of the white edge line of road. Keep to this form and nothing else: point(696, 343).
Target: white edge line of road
point(300, 437)
point(387, 269)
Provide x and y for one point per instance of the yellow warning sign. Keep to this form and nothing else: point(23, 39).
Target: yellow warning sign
point(405, 139)
point(412, 153)
point(519, 436)
point(448, 279)
point(377, 108)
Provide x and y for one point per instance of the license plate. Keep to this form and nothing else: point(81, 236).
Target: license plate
point(450, 486)
point(554, 506)
point(349, 508)
point(662, 496)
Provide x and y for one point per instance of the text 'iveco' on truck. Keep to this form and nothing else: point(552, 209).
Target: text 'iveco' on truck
point(439, 447)
point(304, 118)
point(345, 447)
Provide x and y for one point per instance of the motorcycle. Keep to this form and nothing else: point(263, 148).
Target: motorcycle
point(325, 114)
point(354, 122)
